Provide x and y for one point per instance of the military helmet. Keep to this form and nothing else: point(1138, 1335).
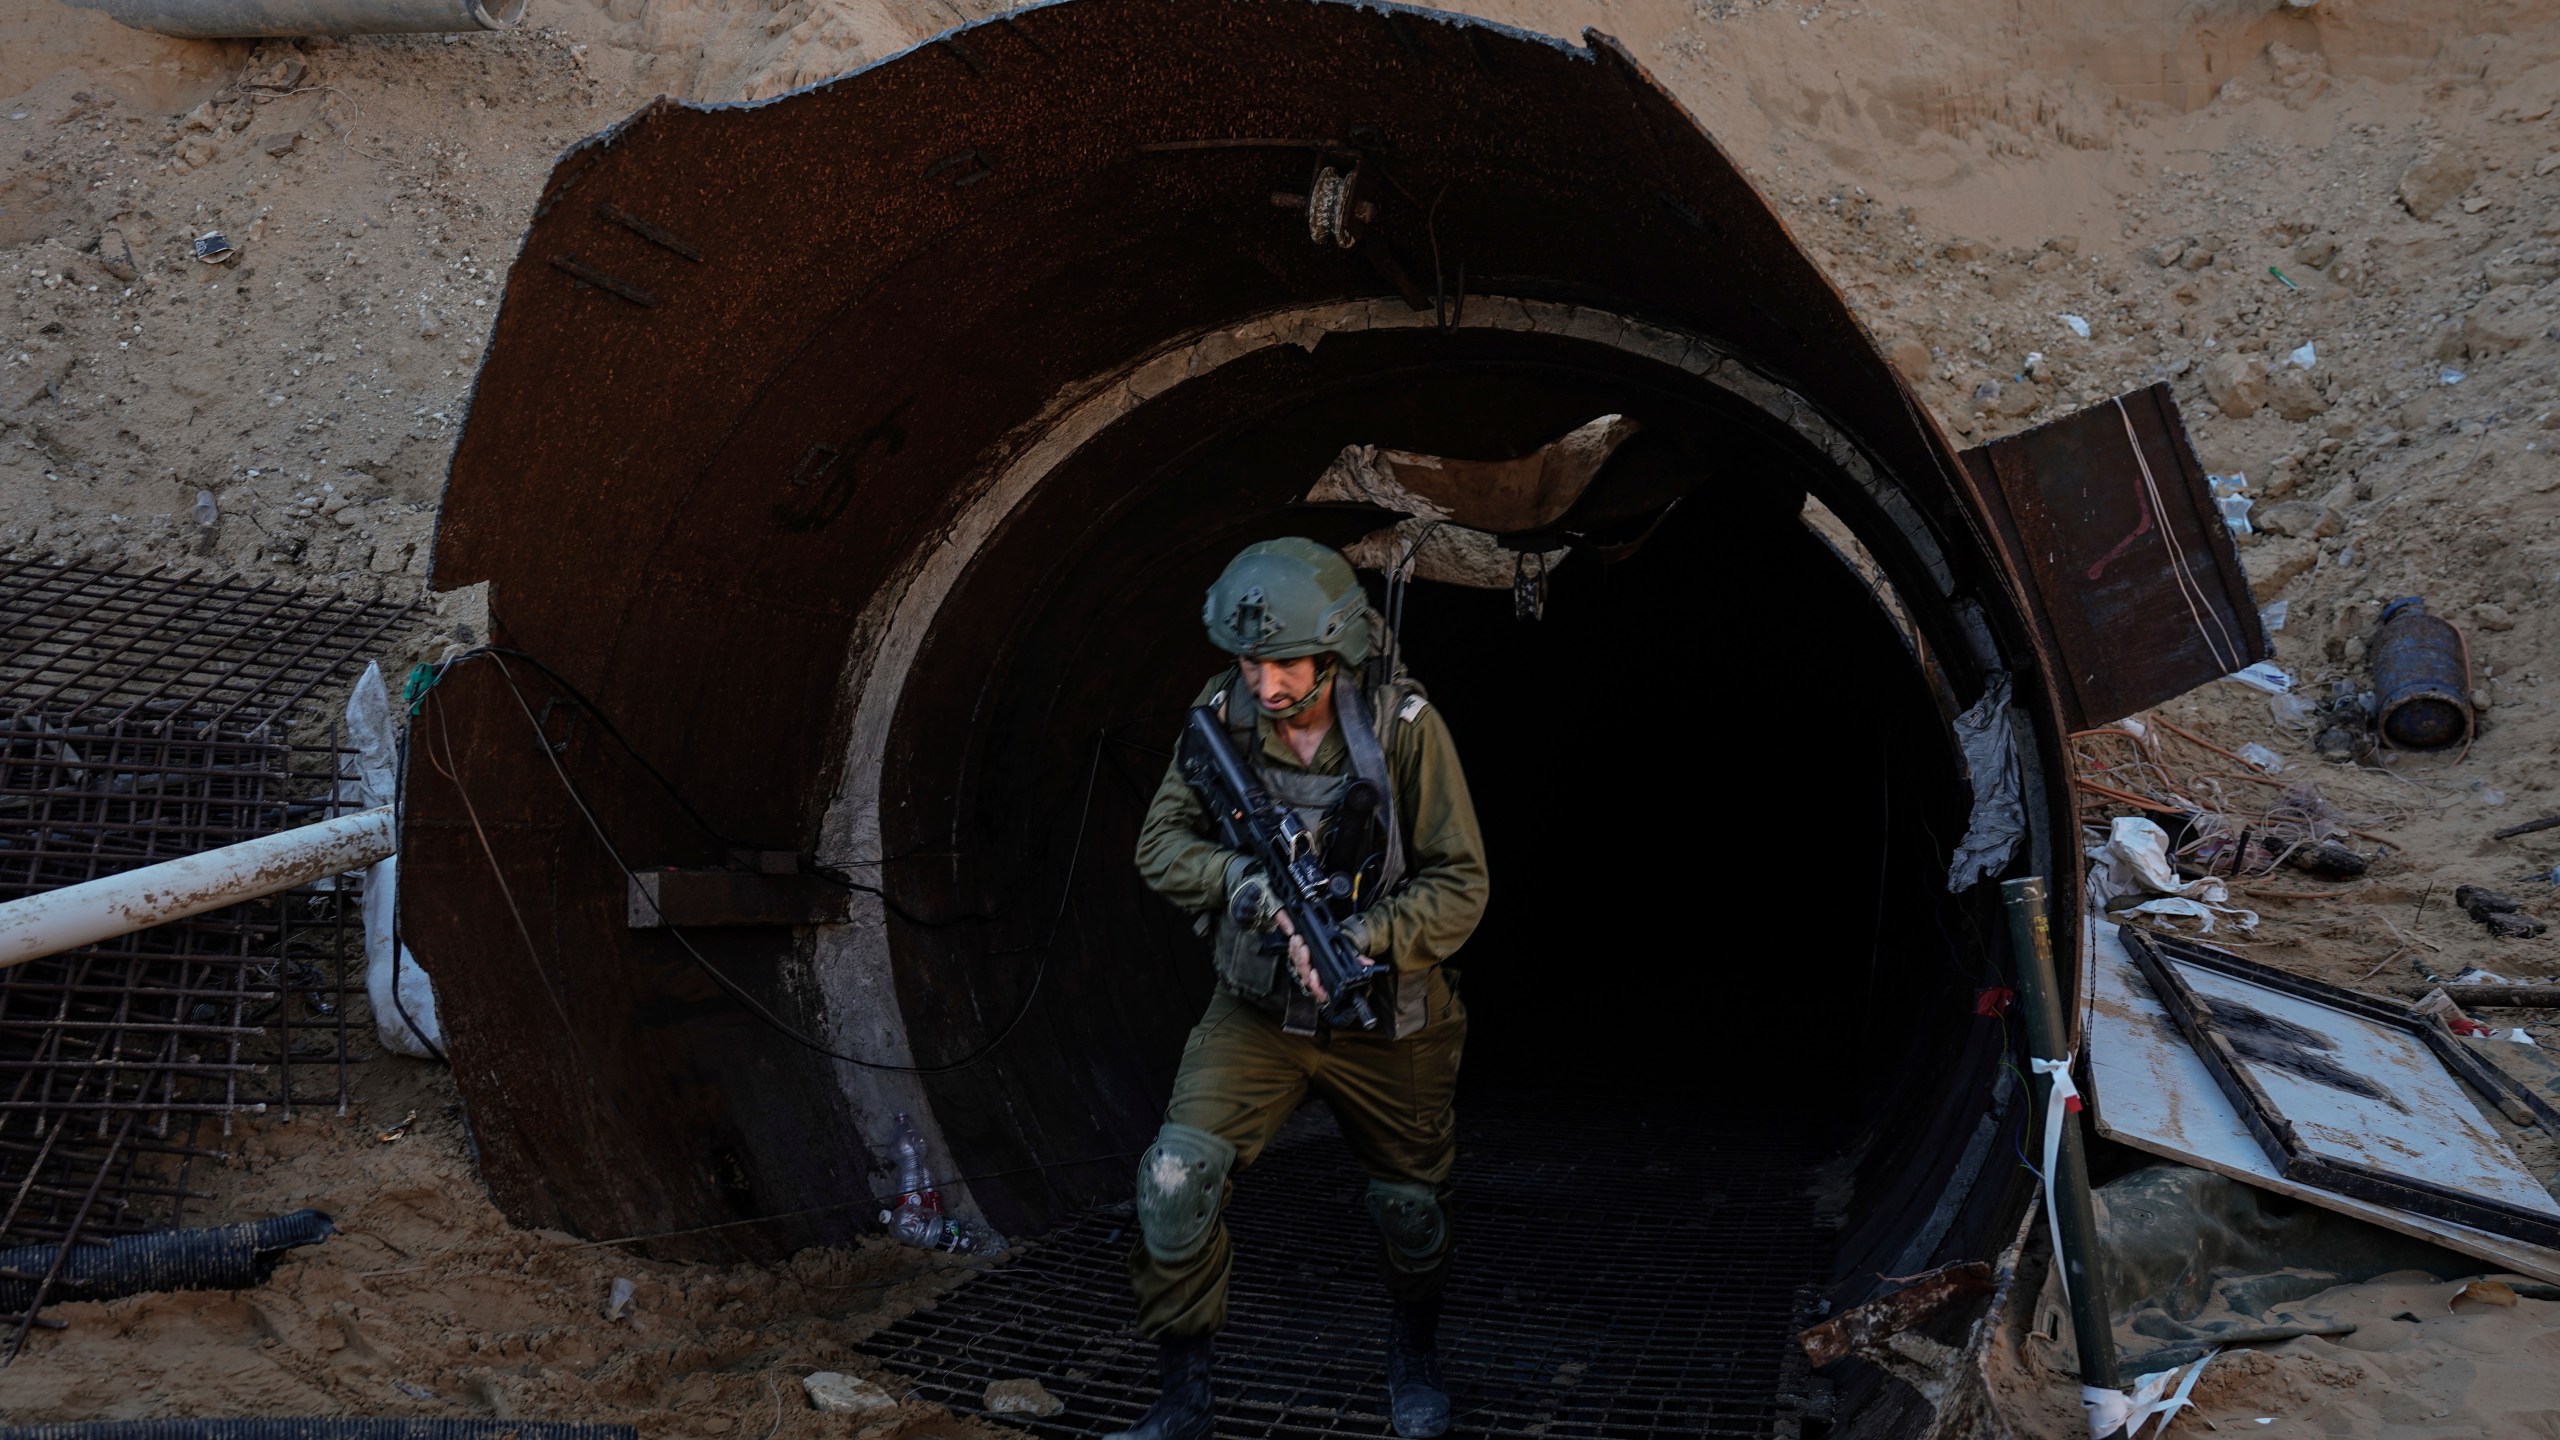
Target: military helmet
point(1282, 599)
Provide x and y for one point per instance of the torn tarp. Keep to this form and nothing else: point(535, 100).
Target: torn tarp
point(2199, 1261)
point(1999, 821)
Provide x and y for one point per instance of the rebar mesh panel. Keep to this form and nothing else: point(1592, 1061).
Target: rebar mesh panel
point(1620, 1272)
point(144, 717)
point(83, 644)
point(110, 1054)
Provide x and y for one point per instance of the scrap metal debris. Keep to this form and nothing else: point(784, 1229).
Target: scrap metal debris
point(2501, 915)
point(1868, 1326)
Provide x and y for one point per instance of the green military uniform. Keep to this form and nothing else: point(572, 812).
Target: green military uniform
point(1255, 1055)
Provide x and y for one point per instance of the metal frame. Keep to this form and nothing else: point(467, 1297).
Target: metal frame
point(2152, 953)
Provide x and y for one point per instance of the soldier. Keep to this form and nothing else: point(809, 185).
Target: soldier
point(1313, 704)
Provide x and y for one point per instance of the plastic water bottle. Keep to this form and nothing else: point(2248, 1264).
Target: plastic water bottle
point(918, 1219)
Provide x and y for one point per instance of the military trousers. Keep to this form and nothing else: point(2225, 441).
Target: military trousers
point(1242, 1075)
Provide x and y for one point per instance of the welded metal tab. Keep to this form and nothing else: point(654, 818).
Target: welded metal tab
point(688, 898)
point(2133, 579)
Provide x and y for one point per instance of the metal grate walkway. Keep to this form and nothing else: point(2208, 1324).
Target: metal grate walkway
point(1620, 1273)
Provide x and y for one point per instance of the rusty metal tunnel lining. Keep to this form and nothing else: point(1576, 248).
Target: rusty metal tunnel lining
point(730, 492)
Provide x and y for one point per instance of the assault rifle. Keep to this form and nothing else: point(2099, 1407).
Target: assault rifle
point(1273, 836)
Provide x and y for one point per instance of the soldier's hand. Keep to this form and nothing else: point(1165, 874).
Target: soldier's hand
point(1304, 968)
point(1253, 903)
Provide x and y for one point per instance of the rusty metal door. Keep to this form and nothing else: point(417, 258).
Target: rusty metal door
point(2124, 564)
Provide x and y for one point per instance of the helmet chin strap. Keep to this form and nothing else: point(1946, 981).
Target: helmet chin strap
point(1300, 706)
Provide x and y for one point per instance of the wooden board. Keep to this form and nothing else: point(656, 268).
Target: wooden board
point(2148, 1089)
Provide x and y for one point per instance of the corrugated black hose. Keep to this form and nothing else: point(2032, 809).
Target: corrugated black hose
point(334, 1428)
point(216, 1257)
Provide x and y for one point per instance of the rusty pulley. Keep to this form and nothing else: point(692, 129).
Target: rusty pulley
point(1339, 203)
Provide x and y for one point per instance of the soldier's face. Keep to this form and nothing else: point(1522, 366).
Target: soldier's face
point(1279, 684)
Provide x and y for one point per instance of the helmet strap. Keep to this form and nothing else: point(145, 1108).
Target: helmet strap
point(1300, 706)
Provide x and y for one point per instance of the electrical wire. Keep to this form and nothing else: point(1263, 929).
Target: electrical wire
point(2190, 590)
point(826, 873)
point(399, 797)
point(719, 977)
point(862, 1200)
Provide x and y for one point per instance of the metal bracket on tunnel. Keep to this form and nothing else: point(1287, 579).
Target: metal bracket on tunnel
point(585, 274)
point(656, 235)
point(686, 899)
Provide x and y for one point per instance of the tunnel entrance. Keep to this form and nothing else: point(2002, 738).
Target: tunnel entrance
point(1718, 787)
point(1717, 794)
point(1689, 773)
point(1718, 791)
point(849, 467)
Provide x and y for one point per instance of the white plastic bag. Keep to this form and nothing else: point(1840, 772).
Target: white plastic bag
point(395, 990)
point(2133, 861)
point(371, 779)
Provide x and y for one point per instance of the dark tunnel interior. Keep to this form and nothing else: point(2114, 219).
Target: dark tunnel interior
point(1717, 792)
point(1700, 872)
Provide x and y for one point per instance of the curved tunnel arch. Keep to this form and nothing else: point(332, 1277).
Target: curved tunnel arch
point(901, 418)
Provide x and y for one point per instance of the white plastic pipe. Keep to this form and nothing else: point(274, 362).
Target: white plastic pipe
point(113, 905)
point(244, 19)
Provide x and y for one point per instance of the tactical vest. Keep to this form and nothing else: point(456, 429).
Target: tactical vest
point(1260, 976)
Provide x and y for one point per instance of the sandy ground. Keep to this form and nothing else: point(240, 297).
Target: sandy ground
point(1969, 171)
point(427, 1303)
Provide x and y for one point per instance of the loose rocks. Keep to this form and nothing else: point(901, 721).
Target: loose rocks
point(1021, 1397)
point(839, 1394)
point(2435, 178)
point(2236, 384)
point(2303, 519)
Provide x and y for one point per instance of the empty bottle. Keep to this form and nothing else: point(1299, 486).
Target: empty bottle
point(918, 1219)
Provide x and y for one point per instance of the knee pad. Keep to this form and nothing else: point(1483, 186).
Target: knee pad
point(1182, 1180)
point(1410, 1217)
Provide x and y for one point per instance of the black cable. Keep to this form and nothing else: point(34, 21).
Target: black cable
point(399, 795)
point(1041, 1168)
point(756, 1007)
point(702, 823)
point(827, 873)
point(1884, 871)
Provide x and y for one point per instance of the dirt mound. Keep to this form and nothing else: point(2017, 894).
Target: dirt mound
point(426, 1303)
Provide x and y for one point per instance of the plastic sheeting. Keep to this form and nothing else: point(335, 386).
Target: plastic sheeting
point(404, 1000)
point(1999, 820)
point(2133, 862)
point(2196, 1261)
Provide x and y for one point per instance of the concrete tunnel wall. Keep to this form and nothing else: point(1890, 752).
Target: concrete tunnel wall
point(769, 379)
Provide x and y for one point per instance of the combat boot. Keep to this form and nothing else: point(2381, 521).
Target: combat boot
point(1184, 1411)
point(1417, 1398)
